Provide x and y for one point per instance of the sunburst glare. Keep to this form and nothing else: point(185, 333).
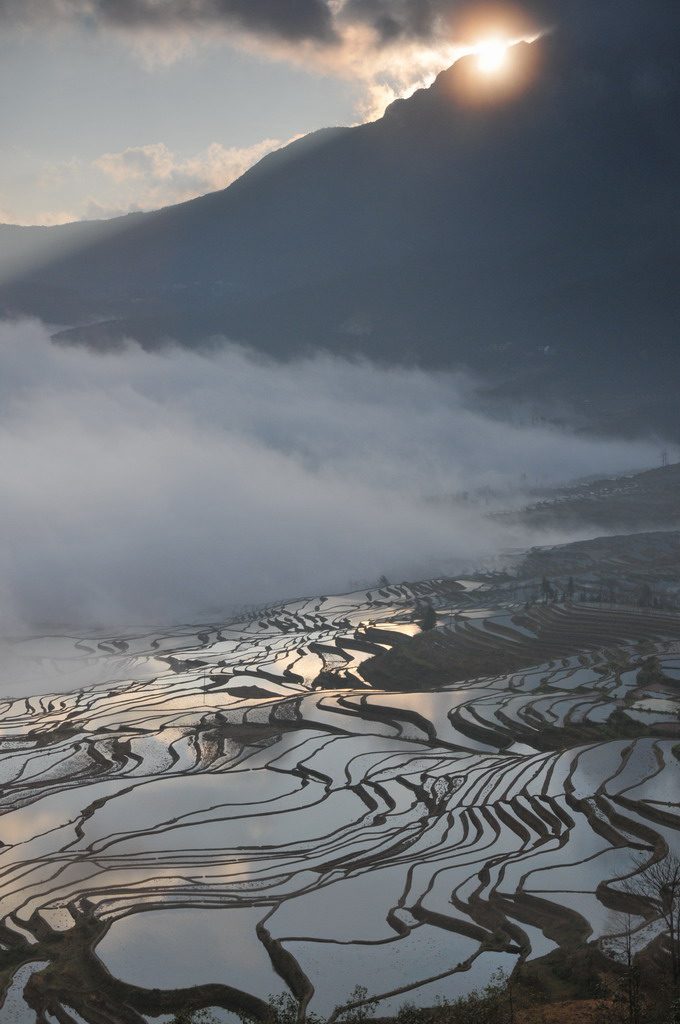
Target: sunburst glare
point(492, 55)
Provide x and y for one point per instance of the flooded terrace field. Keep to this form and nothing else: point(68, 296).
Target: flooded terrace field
point(324, 796)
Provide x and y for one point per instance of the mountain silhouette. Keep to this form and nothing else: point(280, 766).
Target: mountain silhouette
point(531, 238)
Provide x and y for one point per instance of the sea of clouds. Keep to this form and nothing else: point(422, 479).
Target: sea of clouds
point(169, 487)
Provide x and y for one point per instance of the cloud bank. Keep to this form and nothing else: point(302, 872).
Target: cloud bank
point(145, 488)
point(334, 23)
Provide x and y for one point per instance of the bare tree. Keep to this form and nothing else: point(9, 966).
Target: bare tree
point(658, 884)
point(620, 946)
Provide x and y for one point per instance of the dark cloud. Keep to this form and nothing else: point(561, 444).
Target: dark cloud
point(395, 18)
point(430, 19)
point(287, 19)
point(290, 20)
point(612, 24)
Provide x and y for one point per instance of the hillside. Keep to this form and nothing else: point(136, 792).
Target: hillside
point(534, 241)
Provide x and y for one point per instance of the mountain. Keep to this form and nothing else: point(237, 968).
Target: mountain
point(533, 240)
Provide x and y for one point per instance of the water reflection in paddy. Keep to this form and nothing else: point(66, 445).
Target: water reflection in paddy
point(414, 958)
point(182, 947)
point(213, 797)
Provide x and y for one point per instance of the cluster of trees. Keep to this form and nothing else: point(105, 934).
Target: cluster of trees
point(551, 593)
point(644, 596)
point(424, 613)
point(492, 1005)
point(606, 592)
point(648, 989)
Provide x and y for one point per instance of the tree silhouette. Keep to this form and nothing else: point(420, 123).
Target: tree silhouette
point(658, 884)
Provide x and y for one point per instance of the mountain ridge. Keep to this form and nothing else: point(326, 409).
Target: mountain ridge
point(446, 233)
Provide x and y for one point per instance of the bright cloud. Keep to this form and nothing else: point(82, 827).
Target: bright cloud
point(141, 178)
point(137, 162)
point(158, 177)
point(144, 178)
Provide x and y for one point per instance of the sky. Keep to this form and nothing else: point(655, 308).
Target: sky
point(119, 105)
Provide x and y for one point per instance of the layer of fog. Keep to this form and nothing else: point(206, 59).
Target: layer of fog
point(159, 488)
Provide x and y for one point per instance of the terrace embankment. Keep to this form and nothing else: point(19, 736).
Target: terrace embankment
point(545, 633)
point(232, 828)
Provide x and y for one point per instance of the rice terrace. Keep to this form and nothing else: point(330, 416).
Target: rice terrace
point(328, 798)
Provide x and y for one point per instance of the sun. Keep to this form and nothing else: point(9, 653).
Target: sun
point(492, 55)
